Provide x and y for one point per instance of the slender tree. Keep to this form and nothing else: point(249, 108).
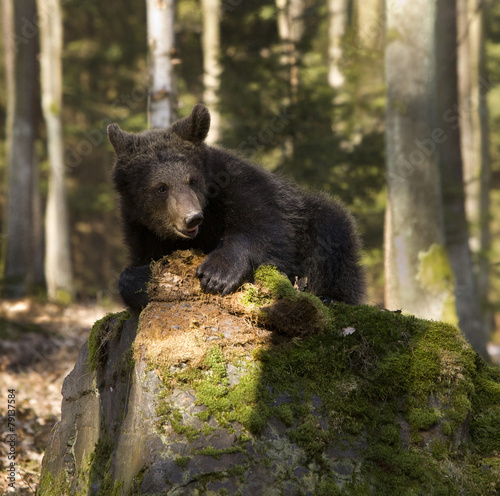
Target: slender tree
point(337, 27)
point(58, 266)
point(467, 109)
point(485, 178)
point(9, 56)
point(414, 240)
point(211, 11)
point(21, 52)
point(290, 30)
point(160, 20)
point(452, 183)
point(473, 119)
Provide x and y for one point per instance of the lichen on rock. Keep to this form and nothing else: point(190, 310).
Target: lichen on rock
point(268, 391)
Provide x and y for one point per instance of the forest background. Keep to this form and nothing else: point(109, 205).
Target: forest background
point(305, 88)
point(314, 110)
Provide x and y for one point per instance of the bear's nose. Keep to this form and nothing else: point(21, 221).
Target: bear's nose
point(193, 220)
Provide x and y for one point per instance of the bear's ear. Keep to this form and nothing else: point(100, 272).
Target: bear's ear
point(122, 141)
point(194, 127)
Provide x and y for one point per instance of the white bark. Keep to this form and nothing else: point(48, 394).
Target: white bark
point(468, 68)
point(58, 267)
point(160, 23)
point(290, 30)
point(337, 27)
point(211, 10)
point(415, 235)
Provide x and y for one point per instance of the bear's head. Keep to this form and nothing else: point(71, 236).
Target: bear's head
point(160, 174)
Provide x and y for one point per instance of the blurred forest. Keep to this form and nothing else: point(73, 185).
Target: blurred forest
point(324, 83)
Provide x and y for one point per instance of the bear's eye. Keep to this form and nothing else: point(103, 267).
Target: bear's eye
point(162, 189)
point(192, 181)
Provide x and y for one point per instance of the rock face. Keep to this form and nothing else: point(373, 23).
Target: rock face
point(268, 392)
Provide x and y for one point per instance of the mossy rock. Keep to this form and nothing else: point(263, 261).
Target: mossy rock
point(227, 395)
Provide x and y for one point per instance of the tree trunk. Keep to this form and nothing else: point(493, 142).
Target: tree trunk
point(468, 69)
point(337, 27)
point(414, 249)
point(21, 52)
point(370, 23)
point(290, 30)
point(485, 185)
point(161, 15)
point(452, 184)
point(58, 267)
point(211, 64)
point(473, 113)
point(9, 56)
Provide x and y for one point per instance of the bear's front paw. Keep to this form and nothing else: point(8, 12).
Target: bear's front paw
point(133, 286)
point(219, 274)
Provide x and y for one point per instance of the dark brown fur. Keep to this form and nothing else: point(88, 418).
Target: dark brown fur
point(169, 178)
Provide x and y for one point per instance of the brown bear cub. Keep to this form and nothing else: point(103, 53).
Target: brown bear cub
point(178, 193)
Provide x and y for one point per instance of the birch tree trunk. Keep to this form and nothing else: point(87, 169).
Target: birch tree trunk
point(452, 184)
point(160, 20)
point(58, 267)
point(211, 11)
point(337, 27)
point(467, 110)
point(415, 259)
point(290, 30)
point(21, 51)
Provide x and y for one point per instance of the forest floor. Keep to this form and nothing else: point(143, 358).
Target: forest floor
point(38, 349)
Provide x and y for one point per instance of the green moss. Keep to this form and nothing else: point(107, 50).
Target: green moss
point(182, 461)
point(103, 331)
point(164, 413)
point(52, 486)
point(440, 449)
point(284, 413)
point(135, 488)
point(236, 470)
point(126, 365)
point(253, 296)
point(186, 430)
point(328, 487)
point(217, 453)
point(435, 274)
point(277, 283)
point(100, 464)
point(424, 418)
point(354, 386)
